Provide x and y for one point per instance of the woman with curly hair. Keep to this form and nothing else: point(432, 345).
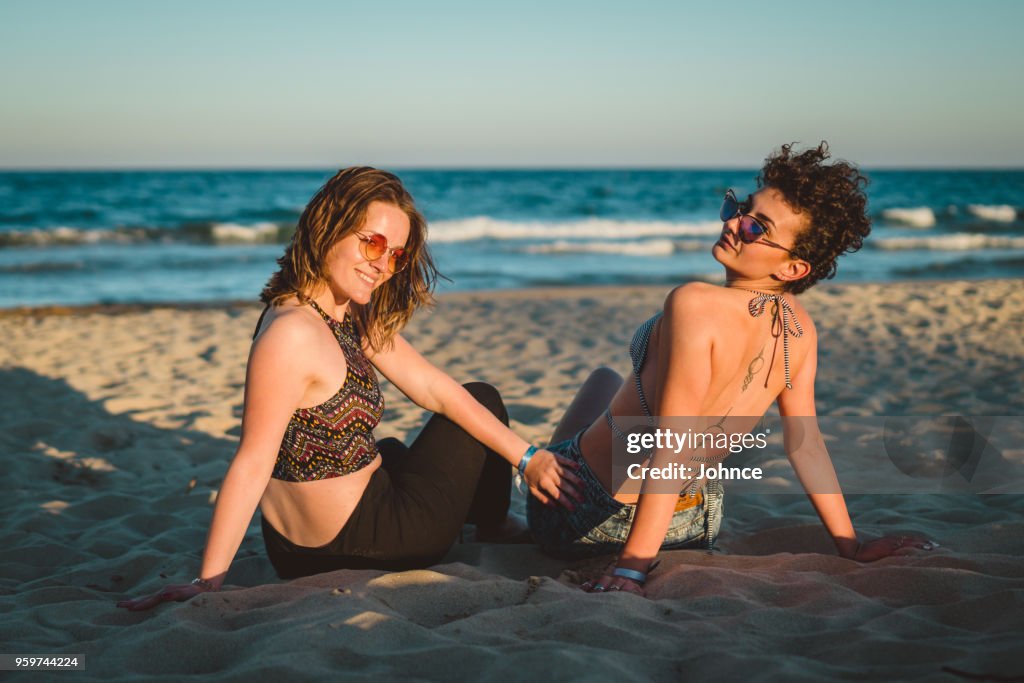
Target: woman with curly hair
point(716, 358)
point(332, 496)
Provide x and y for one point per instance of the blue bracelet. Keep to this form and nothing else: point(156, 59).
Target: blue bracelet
point(632, 574)
point(526, 459)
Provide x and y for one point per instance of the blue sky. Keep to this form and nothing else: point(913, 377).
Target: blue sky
point(324, 84)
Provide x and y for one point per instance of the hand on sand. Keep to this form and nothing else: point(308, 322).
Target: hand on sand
point(876, 549)
point(613, 584)
point(174, 592)
point(609, 582)
point(552, 480)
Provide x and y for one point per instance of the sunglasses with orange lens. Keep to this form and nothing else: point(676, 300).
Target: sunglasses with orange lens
point(375, 245)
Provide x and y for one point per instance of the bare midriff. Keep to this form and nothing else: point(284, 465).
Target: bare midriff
point(312, 513)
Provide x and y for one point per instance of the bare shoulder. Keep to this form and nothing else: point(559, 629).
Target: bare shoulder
point(692, 309)
point(286, 331)
point(697, 304)
point(694, 300)
point(395, 346)
point(804, 318)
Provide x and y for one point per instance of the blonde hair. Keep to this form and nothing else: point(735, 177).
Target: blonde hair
point(337, 210)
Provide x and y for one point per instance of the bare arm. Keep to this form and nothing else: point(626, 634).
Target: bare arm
point(684, 375)
point(276, 379)
point(809, 457)
point(427, 386)
point(806, 451)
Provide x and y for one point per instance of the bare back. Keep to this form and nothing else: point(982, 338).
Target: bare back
point(745, 379)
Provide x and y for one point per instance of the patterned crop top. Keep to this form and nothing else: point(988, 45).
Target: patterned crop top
point(336, 437)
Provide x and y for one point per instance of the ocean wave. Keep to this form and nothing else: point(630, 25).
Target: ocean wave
point(648, 248)
point(483, 227)
point(201, 233)
point(42, 267)
point(233, 233)
point(267, 232)
point(958, 242)
point(916, 217)
point(63, 235)
point(1000, 213)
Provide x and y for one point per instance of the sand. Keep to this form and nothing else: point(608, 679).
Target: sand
point(116, 426)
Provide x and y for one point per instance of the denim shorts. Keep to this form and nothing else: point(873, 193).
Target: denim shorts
point(600, 524)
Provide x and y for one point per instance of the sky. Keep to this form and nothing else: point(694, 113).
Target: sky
point(507, 84)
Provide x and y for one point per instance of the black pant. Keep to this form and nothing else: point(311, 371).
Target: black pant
point(415, 504)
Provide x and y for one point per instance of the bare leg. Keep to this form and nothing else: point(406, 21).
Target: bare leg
point(588, 404)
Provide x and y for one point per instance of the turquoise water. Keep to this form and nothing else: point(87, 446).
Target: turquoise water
point(119, 237)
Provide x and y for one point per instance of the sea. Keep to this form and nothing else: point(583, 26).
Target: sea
point(113, 237)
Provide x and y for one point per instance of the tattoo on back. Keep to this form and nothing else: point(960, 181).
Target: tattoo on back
point(721, 430)
point(754, 368)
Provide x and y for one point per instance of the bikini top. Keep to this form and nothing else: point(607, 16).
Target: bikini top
point(336, 437)
point(638, 354)
point(782, 317)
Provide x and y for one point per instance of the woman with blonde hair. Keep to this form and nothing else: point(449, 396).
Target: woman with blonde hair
point(331, 496)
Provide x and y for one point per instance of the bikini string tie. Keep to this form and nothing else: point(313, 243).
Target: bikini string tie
point(784, 323)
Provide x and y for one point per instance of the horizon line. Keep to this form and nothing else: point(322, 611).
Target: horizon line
point(476, 167)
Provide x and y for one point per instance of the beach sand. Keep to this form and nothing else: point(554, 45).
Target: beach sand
point(117, 425)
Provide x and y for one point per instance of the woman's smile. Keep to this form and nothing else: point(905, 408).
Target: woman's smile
point(372, 281)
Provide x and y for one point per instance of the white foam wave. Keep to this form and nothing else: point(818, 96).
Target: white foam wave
point(60, 235)
point(645, 248)
point(218, 233)
point(959, 242)
point(235, 233)
point(917, 217)
point(1002, 213)
point(483, 227)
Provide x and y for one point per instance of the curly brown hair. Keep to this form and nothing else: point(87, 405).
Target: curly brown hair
point(834, 199)
point(337, 210)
